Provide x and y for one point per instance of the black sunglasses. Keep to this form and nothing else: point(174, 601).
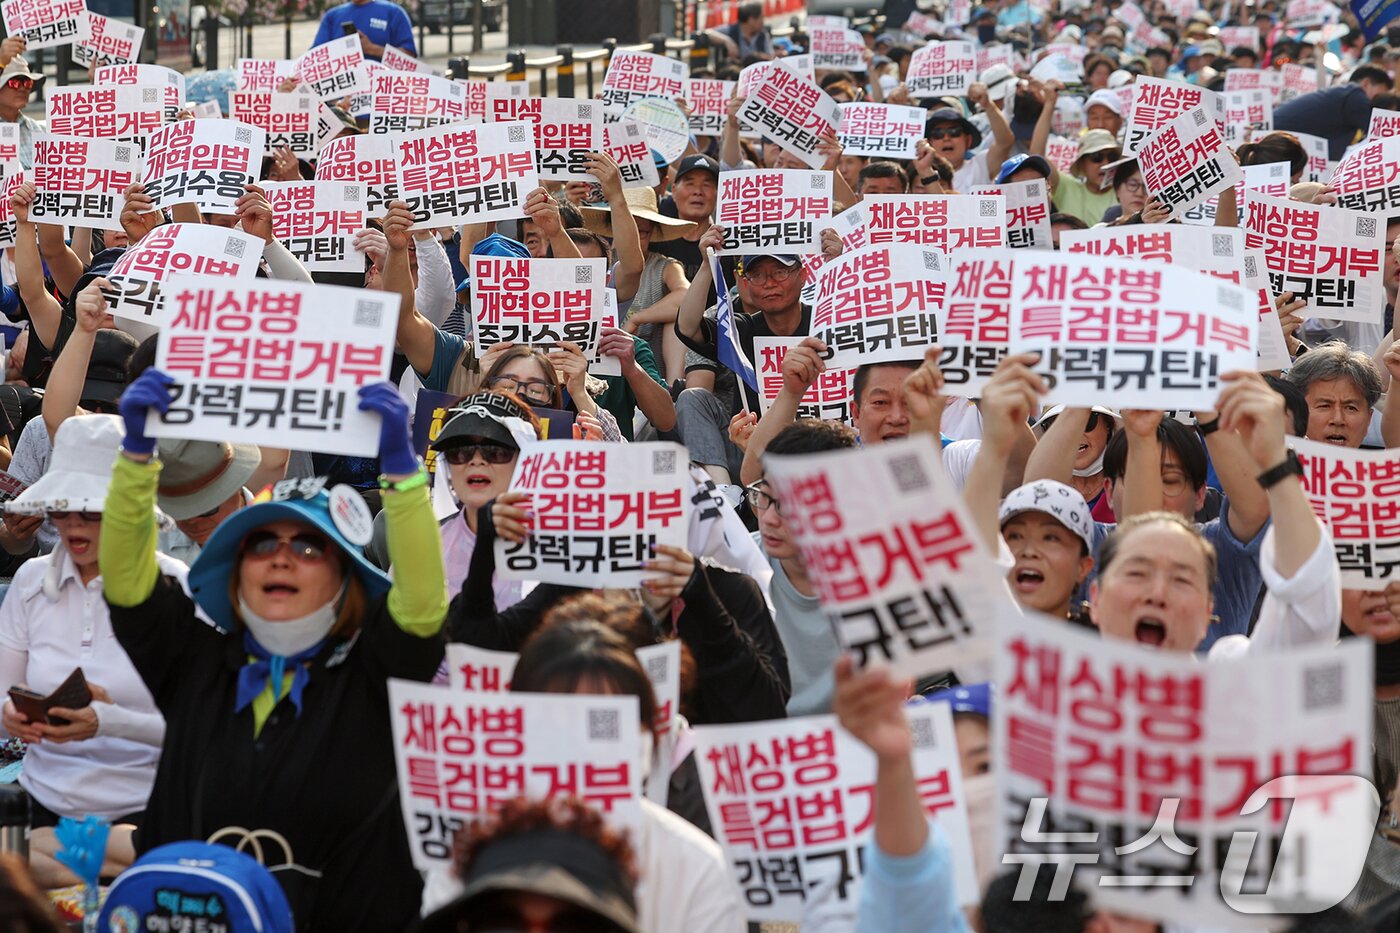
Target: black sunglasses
point(1099, 158)
point(58, 516)
point(951, 132)
point(491, 453)
point(307, 547)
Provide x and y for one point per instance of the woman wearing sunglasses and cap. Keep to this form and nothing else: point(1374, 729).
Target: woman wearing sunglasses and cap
point(279, 718)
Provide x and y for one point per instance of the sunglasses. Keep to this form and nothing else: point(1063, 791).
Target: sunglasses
point(491, 453)
point(20, 84)
point(1098, 158)
point(305, 546)
point(948, 132)
point(57, 516)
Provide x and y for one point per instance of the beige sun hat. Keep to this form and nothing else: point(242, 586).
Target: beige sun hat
point(642, 203)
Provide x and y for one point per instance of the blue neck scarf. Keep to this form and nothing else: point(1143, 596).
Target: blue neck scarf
point(268, 668)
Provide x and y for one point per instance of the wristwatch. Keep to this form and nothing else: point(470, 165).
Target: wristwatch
point(1291, 466)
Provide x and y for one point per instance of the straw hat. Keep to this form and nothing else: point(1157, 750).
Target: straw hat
point(642, 203)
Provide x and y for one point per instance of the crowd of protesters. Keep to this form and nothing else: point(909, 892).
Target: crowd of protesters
point(237, 643)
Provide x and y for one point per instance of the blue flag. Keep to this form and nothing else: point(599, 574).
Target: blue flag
point(1375, 15)
point(731, 354)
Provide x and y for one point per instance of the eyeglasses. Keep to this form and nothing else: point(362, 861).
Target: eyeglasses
point(58, 516)
point(761, 499)
point(948, 132)
point(535, 390)
point(1135, 186)
point(20, 83)
point(307, 547)
point(491, 453)
point(778, 273)
point(1098, 158)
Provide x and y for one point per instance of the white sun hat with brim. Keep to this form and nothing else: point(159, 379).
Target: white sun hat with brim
point(1052, 412)
point(80, 468)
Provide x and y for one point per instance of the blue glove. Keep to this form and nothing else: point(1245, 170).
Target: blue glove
point(396, 456)
point(150, 390)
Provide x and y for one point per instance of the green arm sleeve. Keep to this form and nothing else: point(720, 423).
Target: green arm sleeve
point(126, 552)
point(418, 599)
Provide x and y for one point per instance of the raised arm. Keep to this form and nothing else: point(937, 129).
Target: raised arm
point(697, 296)
point(1040, 136)
point(416, 335)
point(127, 550)
point(1142, 490)
point(64, 265)
point(254, 215)
point(1003, 140)
point(1249, 504)
point(801, 367)
point(1013, 392)
point(435, 295)
point(626, 240)
point(731, 155)
point(1053, 457)
point(544, 211)
point(65, 386)
point(139, 215)
point(45, 313)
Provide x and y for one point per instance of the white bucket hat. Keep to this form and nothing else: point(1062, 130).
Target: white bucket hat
point(80, 468)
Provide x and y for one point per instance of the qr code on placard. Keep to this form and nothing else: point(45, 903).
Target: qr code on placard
point(304, 103)
point(987, 208)
point(656, 668)
point(602, 724)
point(818, 182)
point(585, 111)
point(583, 275)
point(1366, 226)
point(516, 134)
point(908, 473)
point(352, 193)
point(663, 462)
point(1222, 244)
point(1231, 299)
point(1322, 687)
point(122, 153)
point(921, 730)
point(1199, 116)
point(368, 314)
point(932, 262)
point(233, 246)
point(243, 134)
point(1033, 189)
point(1251, 269)
point(149, 95)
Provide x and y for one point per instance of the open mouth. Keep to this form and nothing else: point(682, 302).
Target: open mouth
point(1027, 580)
point(280, 589)
point(894, 434)
point(79, 546)
point(477, 481)
point(1339, 439)
point(1150, 632)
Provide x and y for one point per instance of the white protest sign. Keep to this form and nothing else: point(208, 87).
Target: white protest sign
point(266, 361)
point(797, 793)
point(945, 221)
point(1185, 161)
point(792, 111)
point(819, 21)
point(202, 162)
point(850, 227)
point(766, 211)
point(364, 160)
point(633, 76)
point(362, 100)
point(1142, 333)
point(118, 112)
point(537, 302)
point(1249, 115)
point(1273, 346)
point(1232, 37)
point(922, 25)
point(1027, 212)
point(9, 144)
point(206, 110)
point(45, 23)
point(403, 103)
point(1297, 81)
point(287, 120)
point(599, 510)
point(753, 75)
point(199, 249)
point(396, 59)
point(826, 399)
point(263, 74)
point(108, 41)
point(1310, 12)
point(1331, 257)
point(709, 105)
point(461, 755)
point(317, 221)
point(942, 69)
point(455, 174)
point(82, 181)
point(566, 131)
point(14, 177)
point(1158, 101)
point(900, 571)
point(1368, 178)
point(1248, 79)
point(1058, 67)
point(1136, 747)
point(169, 82)
point(625, 143)
point(836, 48)
point(881, 131)
point(974, 322)
point(879, 304)
point(334, 69)
point(1061, 152)
point(1354, 494)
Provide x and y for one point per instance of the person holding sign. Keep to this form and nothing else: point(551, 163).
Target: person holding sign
point(378, 23)
point(298, 606)
point(1086, 191)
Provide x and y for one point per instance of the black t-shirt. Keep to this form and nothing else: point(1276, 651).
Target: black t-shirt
point(749, 326)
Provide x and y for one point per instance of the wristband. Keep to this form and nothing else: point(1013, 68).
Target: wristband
point(1207, 428)
point(930, 179)
point(1291, 466)
point(404, 485)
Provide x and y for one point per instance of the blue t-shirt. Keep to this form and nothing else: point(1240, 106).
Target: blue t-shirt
point(447, 349)
point(385, 23)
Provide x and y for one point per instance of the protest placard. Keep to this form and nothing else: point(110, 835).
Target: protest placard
point(537, 302)
point(1216, 251)
point(1331, 257)
point(827, 399)
point(334, 69)
point(1058, 67)
point(1354, 494)
point(921, 25)
point(14, 177)
point(1249, 115)
point(766, 211)
point(396, 59)
point(901, 574)
point(850, 227)
point(836, 48)
point(1297, 81)
point(364, 160)
point(879, 303)
point(108, 41)
point(633, 76)
point(1151, 756)
point(974, 322)
point(1158, 101)
point(1232, 37)
point(265, 361)
point(1249, 79)
point(45, 23)
point(138, 275)
point(206, 110)
point(126, 112)
point(792, 111)
point(263, 74)
point(1061, 152)
point(792, 802)
point(460, 755)
point(625, 143)
point(317, 221)
point(709, 105)
point(9, 145)
point(1311, 12)
point(404, 102)
point(287, 120)
point(942, 69)
point(1368, 178)
point(995, 55)
point(1185, 161)
point(1027, 213)
point(1271, 178)
point(945, 221)
point(11, 486)
point(362, 100)
point(454, 174)
point(881, 131)
point(566, 131)
point(202, 162)
point(1384, 124)
point(1273, 346)
point(752, 75)
point(599, 511)
point(169, 82)
point(1140, 332)
point(81, 181)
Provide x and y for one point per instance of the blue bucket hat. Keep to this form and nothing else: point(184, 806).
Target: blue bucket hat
point(338, 513)
point(966, 698)
point(495, 245)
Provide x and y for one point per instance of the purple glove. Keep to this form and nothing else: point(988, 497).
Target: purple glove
point(150, 390)
point(396, 456)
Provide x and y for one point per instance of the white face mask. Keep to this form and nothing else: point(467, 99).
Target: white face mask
point(1095, 468)
point(294, 635)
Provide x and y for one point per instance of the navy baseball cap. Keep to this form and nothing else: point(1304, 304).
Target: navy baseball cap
point(1017, 162)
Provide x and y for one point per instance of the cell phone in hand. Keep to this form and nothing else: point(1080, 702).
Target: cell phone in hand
point(349, 29)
